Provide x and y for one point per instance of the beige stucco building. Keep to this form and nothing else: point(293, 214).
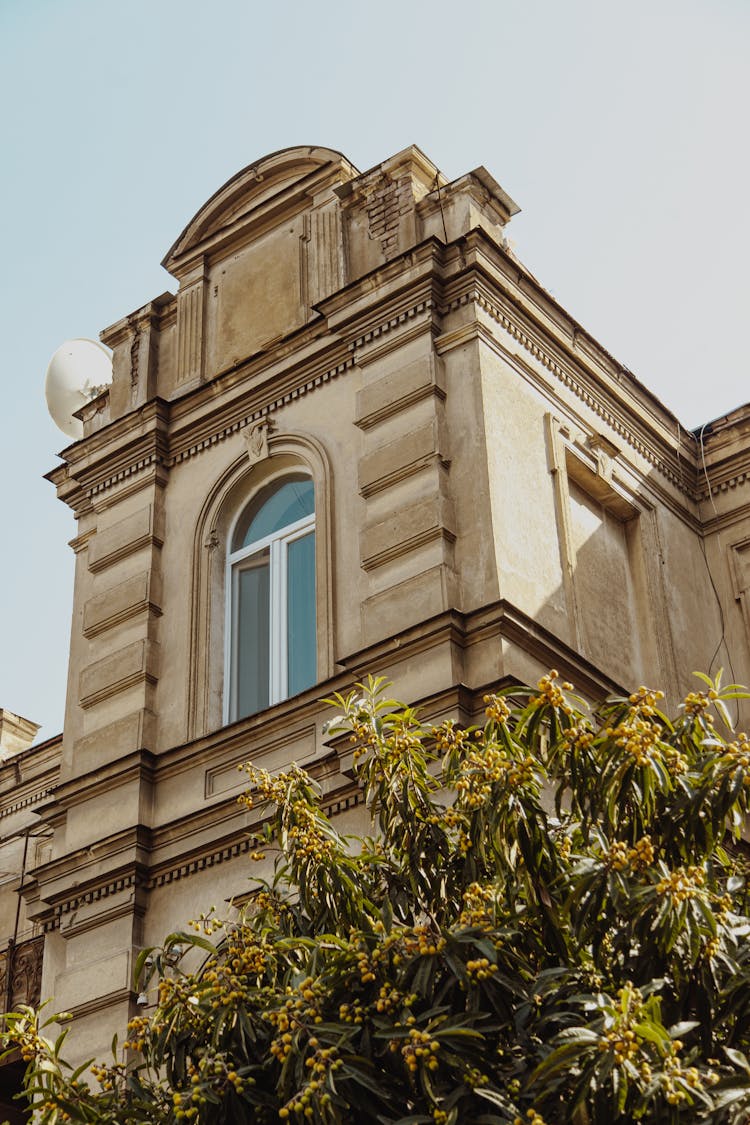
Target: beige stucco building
point(360, 437)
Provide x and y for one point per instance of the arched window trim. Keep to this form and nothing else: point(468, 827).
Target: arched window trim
point(277, 543)
point(288, 452)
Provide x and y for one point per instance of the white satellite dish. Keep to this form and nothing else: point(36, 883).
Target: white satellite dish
point(78, 371)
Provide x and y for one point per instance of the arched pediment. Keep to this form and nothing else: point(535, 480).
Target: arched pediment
point(266, 186)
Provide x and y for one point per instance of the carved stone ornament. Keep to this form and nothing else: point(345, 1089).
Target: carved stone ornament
point(255, 438)
point(135, 348)
point(603, 465)
point(24, 962)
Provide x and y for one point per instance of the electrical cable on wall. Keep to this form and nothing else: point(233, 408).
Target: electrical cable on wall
point(440, 201)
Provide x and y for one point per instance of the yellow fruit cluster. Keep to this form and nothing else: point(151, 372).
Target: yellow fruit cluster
point(551, 693)
point(480, 970)
point(532, 1118)
point(423, 941)
point(207, 923)
point(724, 904)
point(420, 1047)
point(620, 1039)
point(389, 998)
point(296, 1013)
point(638, 736)
point(696, 702)
point(228, 980)
point(323, 1062)
point(211, 1073)
point(486, 766)
point(137, 1029)
point(579, 737)
point(496, 708)
point(623, 1043)
point(475, 911)
point(448, 736)
point(269, 788)
point(645, 699)
point(682, 884)
point(352, 1013)
point(738, 756)
point(675, 1078)
point(391, 749)
point(263, 901)
point(474, 1078)
point(307, 836)
point(638, 858)
point(447, 819)
point(675, 761)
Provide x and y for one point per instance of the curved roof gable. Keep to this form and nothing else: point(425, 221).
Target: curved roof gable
point(259, 189)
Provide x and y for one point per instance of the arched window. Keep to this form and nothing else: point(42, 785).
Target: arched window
point(271, 595)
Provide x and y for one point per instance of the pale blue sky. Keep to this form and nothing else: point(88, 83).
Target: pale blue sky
point(620, 129)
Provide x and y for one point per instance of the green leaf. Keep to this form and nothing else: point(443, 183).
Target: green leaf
point(493, 1096)
point(679, 1030)
point(578, 1035)
point(738, 1058)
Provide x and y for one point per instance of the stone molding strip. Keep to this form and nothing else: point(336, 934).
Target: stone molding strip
point(90, 1007)
point(140, 529)
point(136, 595)
point(134, 664)
point(263, 411)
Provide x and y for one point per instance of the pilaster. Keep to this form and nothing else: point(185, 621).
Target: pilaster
point(135, 341)
point(406, 540)
point(191, 301)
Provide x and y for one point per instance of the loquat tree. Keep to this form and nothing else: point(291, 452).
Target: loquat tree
point(548, 925)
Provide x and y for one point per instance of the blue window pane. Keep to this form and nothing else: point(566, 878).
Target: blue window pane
point(301, 633)
point(252, 624)
point(287, 503)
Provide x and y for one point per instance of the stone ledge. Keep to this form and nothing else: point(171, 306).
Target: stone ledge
point(124, 538)
point(133, 664)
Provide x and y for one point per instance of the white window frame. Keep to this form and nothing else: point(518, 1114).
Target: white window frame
point(277, 543)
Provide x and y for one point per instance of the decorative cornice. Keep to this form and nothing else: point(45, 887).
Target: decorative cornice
point(116, 885)
point(261, 412)
point(32, 799)
point(123, 474)
point(397, 321)
point(737, 480)
point(571, 379)
point(162, 461)
point(176, 871)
